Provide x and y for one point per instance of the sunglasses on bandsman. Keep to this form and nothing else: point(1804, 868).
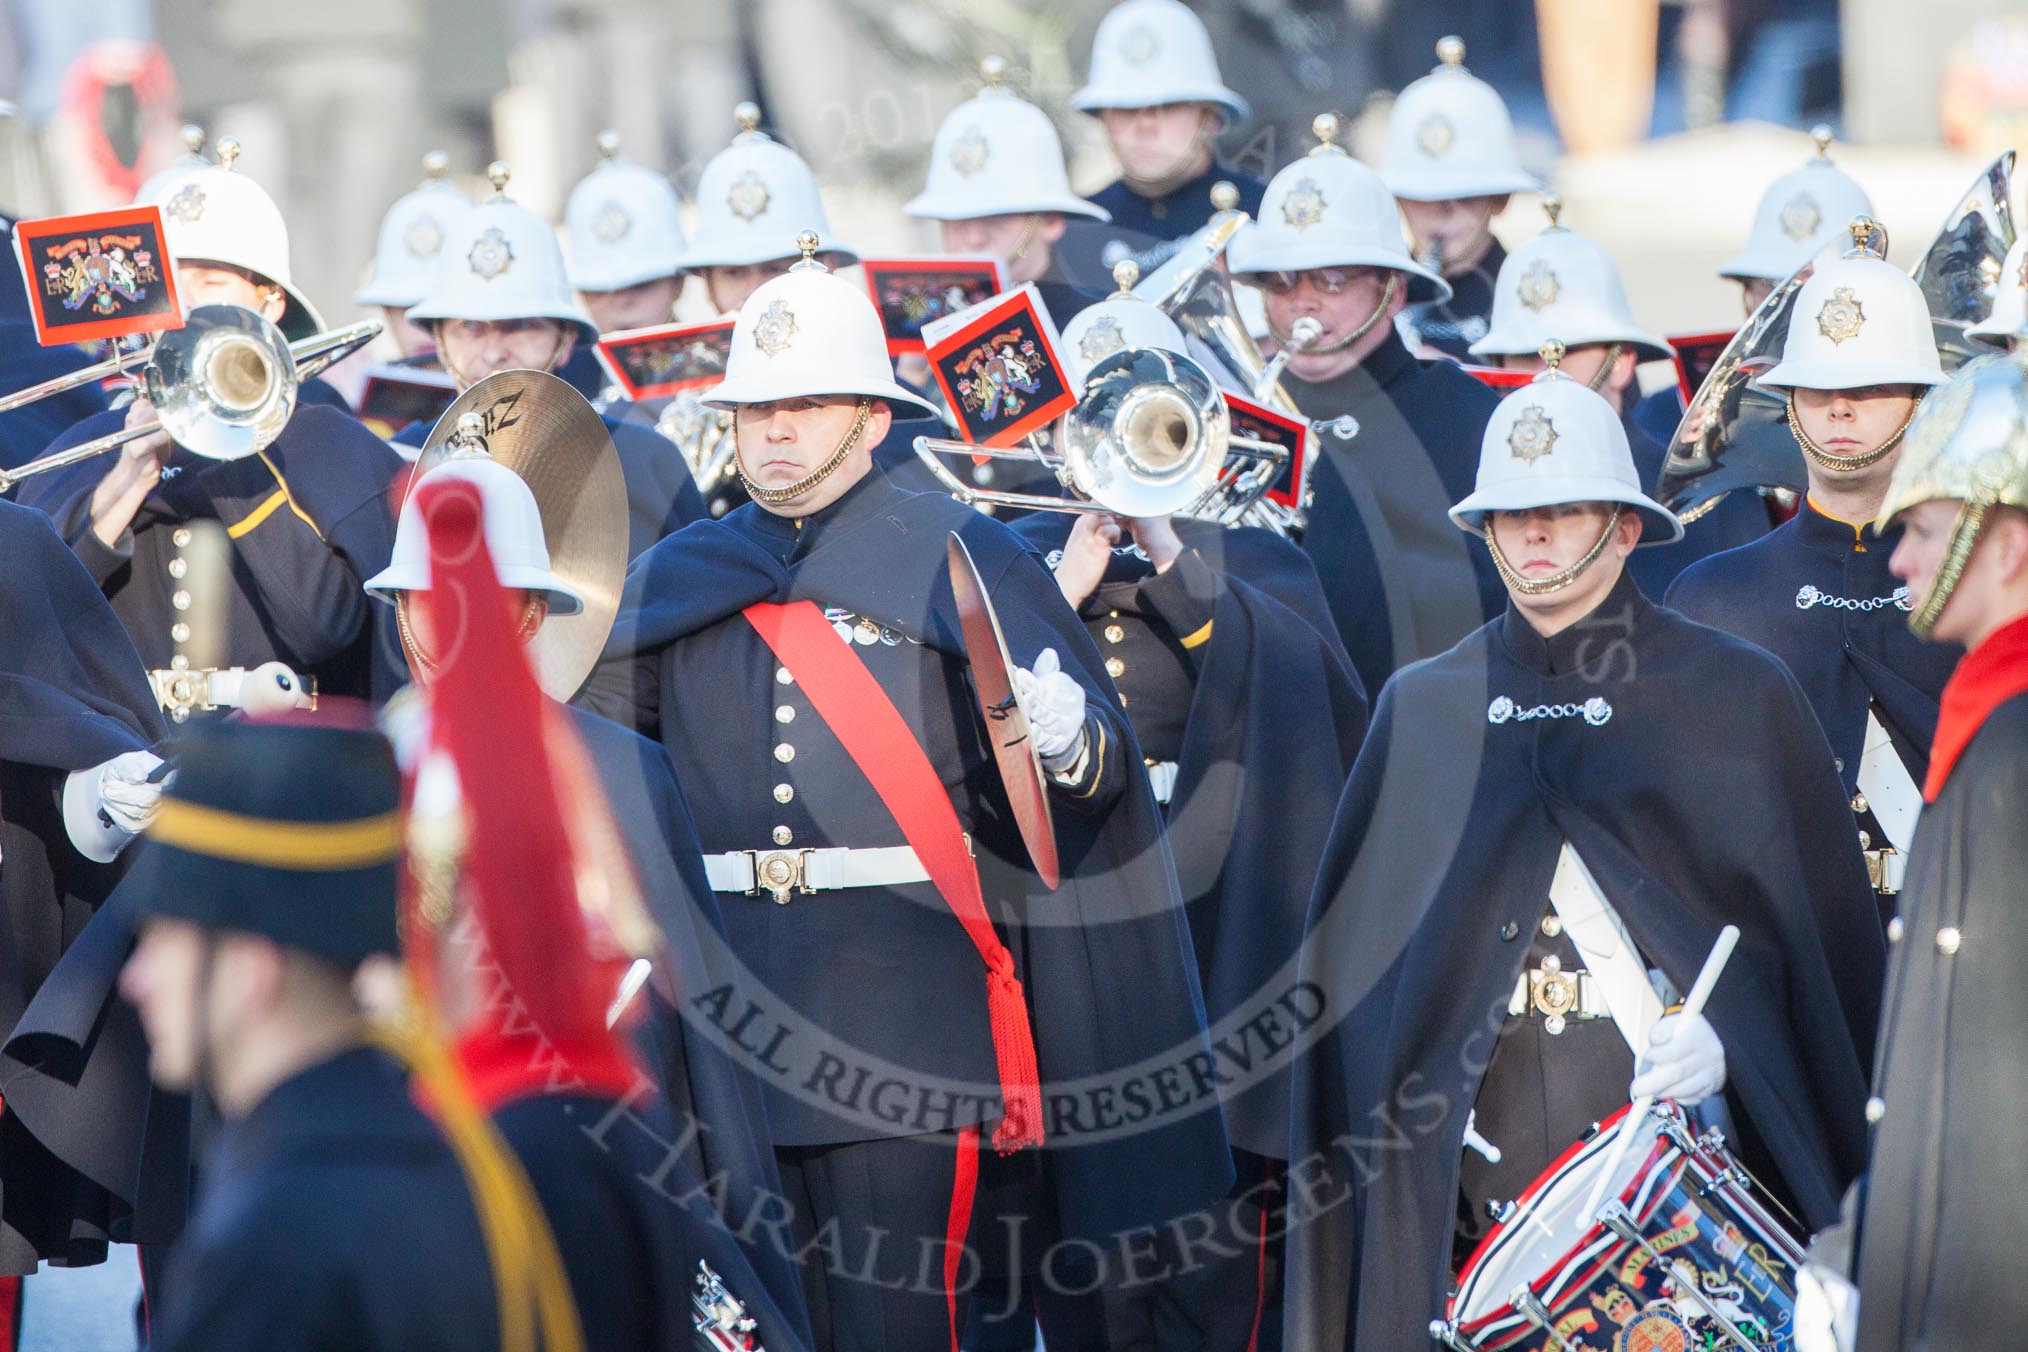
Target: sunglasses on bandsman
point(1329, 281)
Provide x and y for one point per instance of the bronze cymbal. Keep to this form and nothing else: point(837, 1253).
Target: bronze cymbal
point(546, 432)
point(1006, 725)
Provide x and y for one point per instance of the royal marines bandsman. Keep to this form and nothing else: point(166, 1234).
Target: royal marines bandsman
point(1399, 436)
point(1452, 164)
point(1801, 213)
point(1154, 87)
point(865, 849)
point(1940, 1226)
point(500, 301)
point(523, 958)
point(753, 198)
point(79, 779)
point(1222, 647)
point(1819, 592)
point(624, 228)
point(307, 517)
point(700, 1083)
point(335, 1214)
point(1563, 287)
point(997, 186)
point(1581, 794)
point(412, 236)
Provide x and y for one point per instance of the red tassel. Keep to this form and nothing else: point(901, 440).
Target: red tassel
point(1014, 1047)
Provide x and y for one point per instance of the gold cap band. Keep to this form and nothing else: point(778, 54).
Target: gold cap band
point(268, 842)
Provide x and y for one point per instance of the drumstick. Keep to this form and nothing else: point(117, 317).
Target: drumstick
point(1693, 1004)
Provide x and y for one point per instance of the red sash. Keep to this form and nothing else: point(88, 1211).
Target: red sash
point(874, 734)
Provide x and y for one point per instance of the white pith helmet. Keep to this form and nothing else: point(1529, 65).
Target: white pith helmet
point(1551, 442)
point(513, 525)
point(1449, 136)
point(502, 262)
point(412, 236)
point(1562, 285)
point(1329, 210)
point(809, 333)
point(1857, 321)
point(212, 214)
point(624, 224)
point(1122, 320)
point(752, 200)
point(996, 154)
point(1150, 52)
point(1801, 212)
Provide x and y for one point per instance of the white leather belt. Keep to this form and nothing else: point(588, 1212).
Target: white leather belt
point(1558, 995)
point(1162, 779)
point(781, 872)
point(1885, 867)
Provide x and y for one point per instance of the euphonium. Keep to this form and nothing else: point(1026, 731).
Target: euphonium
point(705, 437)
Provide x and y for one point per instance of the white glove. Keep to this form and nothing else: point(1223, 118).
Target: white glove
point(105, 806)
point(1685, 1061)
point(1827, 1310)
point(1053, 704)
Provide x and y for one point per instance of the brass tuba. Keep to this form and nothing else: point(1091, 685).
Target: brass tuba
point(224, 385)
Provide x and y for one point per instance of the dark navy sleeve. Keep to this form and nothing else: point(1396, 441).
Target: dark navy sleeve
point(662, 498)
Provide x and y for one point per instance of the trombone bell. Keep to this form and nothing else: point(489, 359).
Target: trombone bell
point(1149, 436)
point(223, 385)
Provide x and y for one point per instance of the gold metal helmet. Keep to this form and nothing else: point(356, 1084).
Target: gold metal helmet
point(1969, 443)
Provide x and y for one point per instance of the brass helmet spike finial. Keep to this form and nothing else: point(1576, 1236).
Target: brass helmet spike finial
point(1864, 228)
point(436, 164)
point(228, 151)
point(746, 117)
point(469, 441)
point(807, 242)
point(193, 139)
point(1552, 207)
point(497, 173)
point(1126, 273)
point(993, 70)
point(608, 144)
point(1224, 195)
point(1450, 50)
point(1326, 126)
point(1552, 357)
point(1820, 135)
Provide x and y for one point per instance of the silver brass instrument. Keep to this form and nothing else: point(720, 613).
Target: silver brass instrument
point(1959, 272)
point(223, 386)
point(1194, 291)
point(1151, 437)
point(705, 436)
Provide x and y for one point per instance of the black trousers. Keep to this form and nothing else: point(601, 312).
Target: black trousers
point(881, 1233)
point(1207, 1282)
point(1541, 1094)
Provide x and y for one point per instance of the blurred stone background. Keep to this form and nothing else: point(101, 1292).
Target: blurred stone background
point(1661, 125)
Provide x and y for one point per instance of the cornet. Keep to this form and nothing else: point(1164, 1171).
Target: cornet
point(224, 385)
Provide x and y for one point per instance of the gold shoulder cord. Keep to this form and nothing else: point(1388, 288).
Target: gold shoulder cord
point(528, 1274)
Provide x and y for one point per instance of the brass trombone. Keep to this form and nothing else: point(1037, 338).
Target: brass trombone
point(224, 385)
point(1151, 437)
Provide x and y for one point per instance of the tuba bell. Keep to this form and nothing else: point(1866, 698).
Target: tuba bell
point(1959, 273)
point(1150, 437)
point(224, 385)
